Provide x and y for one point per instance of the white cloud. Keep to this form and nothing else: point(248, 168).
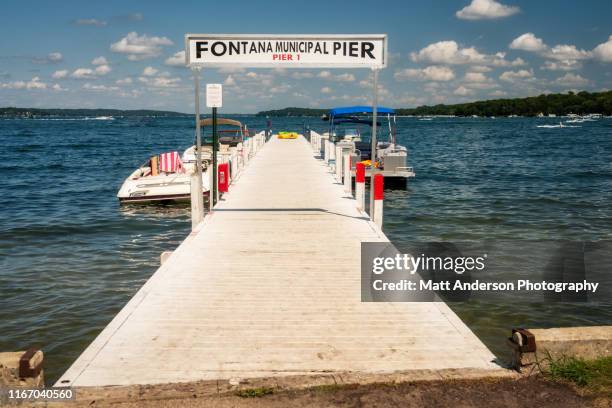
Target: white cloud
point(57, 87)
point(567, 55)
point(528, 42)
point(160, 82)
point(124, 81)
point(55, 57)
point(302, 75)
point(603, 52)
point(176, 60)
point(486, 9)
point(230, 70)
point(83, 73)
point(327, 75)
point(564, 52)
point(567, 65)
point(229, 81)
point(480, 68)
point(326, 89)
point(438, 73)
point(34, 83)
point(103, 88)
point(51, 58)
point(475, 77)
point(99, 61)
point(431, 73)
point(102, 70)
point(514, 76)
point(478, 80)
point(91, 22)
point(139, 47)
point(463, 91)
point(449, 52)
point(88, 73)
point(62, 73)
point(345, 77)
point(570, 79)
point(498, 92)
point(149, 71)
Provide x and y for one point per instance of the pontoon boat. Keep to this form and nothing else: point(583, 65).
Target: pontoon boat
point(352, 126)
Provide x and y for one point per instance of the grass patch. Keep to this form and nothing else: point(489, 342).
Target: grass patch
point(326, 388)
point(595, 374)
point(255, 392)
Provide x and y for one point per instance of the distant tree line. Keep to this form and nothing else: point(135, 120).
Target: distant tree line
point(36, 112)
point(558, 104)
point(293, 112)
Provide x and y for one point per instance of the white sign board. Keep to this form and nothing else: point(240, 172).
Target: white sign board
point(214, 95)
point(287, 51)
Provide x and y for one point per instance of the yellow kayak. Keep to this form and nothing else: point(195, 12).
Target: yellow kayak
point(287, 135)
point(368, 163)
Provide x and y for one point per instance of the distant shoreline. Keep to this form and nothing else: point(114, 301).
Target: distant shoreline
point(13, 112)
point(581, 103)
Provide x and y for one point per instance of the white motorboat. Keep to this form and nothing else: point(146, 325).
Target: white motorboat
point(167, 177)
point(155, 182)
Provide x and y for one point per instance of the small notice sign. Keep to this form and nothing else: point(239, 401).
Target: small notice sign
point(214, 95)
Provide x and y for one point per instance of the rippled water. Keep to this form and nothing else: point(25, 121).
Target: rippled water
point(71, 257)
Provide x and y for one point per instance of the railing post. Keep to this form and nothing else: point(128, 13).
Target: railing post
point(348, 179)
point(360, 185)
point(326, 153)
point(332, 152)
point(339, 166)
point(378, 189)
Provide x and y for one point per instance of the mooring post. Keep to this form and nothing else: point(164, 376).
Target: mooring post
point(339, 166)
point(326, 150)
point(197, 195)
point(378, 190)
point(348, 179)
point(215, 193)
point(374, 144)
point(360, 185)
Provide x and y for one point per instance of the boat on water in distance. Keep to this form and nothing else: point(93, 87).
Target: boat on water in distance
point(351, 127)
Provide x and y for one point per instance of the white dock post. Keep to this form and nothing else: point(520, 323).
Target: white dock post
point(197, 194)
point(332, 153)
point(234, 168)
point(348, 179)
point(378, 190)
point(338, 166)
point(197, 204)
point(210, 172)
point(360, 185)
point(326, 154)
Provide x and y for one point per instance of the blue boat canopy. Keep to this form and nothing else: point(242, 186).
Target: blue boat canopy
point(353, 110)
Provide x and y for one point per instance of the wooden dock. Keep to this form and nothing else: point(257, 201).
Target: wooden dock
point(269, 285)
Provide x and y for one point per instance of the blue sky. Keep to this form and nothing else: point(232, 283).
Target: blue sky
point(123, 54)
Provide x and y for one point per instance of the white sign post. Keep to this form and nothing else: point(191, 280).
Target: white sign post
point(214, 95)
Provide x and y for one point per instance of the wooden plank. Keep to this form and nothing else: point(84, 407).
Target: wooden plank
point(269, 286)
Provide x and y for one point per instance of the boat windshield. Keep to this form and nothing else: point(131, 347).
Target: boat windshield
point(349, 133)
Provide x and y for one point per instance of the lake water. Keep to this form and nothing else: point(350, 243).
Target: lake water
point(71, 257)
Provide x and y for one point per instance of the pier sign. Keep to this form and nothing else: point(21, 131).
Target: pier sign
point(214, 95)
point(288, 51)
